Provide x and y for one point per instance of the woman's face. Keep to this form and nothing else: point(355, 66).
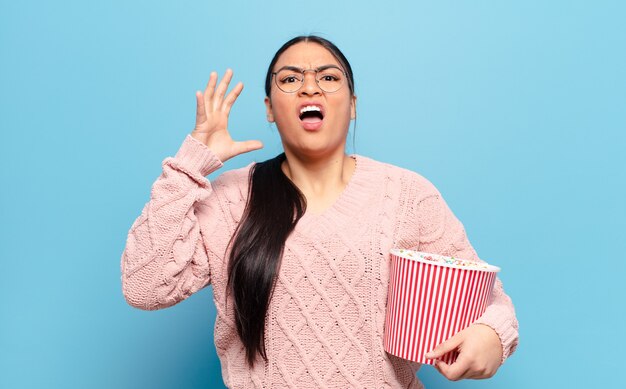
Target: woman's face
point(310, 135)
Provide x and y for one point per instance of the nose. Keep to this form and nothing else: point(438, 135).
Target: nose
point(309, 85)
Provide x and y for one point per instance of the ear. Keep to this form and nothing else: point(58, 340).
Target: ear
point(353, 108)
point(268, 110)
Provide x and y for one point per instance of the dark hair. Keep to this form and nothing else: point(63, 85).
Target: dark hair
point(274, 207)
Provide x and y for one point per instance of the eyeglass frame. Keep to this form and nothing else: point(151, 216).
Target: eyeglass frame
point(303, 71)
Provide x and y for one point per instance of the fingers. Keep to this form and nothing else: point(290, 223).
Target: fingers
point(236, 148)
point(232, 96)
point(445, 347)
point(214, 97)
point(213, 109)
point(246, 146)
point(456, 371)
point(477, 358)
point(220, 91)
point(200, 110)
point(210, 87)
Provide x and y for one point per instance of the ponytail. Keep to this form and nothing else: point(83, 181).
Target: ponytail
point(272, 211)
point(274, 207)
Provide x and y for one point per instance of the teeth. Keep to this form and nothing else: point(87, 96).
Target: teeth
point(310, 108)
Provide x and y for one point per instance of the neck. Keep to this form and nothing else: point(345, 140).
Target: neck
point(321, 180)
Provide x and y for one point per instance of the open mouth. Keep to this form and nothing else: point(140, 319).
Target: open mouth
point(311, 114)
point(311, 117)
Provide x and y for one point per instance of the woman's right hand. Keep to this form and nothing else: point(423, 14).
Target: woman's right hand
point(212, 119)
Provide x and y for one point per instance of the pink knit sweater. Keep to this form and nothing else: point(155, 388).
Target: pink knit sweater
point(325, 320)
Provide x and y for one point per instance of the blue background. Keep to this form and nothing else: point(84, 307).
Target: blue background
point(515, 111)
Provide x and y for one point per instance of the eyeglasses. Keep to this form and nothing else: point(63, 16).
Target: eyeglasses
point(290, 79)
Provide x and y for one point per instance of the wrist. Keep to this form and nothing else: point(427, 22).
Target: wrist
point(196, 156)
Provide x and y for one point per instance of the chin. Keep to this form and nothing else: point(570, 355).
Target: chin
point(315, 150)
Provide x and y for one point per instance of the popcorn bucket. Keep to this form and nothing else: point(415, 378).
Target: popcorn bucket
point(431, 298)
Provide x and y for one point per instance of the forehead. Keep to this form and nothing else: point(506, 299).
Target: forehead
point(306, 55)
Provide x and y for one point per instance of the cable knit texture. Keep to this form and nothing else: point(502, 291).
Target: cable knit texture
point(325, 321)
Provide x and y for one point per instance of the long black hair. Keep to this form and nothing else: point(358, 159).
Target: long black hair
point(274, 207)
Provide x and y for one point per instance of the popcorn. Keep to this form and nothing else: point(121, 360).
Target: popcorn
point(446, 261)
point(430, 298)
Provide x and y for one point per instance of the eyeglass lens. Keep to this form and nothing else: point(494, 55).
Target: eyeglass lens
point(329, 79)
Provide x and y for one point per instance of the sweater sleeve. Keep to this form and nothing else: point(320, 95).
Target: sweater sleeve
point(440, 232)
point(165, 259)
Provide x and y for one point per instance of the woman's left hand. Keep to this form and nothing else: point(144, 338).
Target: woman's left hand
point(480, 354)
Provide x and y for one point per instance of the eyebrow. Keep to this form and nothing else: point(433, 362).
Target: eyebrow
point(297, 69)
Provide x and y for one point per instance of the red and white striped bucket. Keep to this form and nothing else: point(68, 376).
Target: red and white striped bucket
point(431, 298)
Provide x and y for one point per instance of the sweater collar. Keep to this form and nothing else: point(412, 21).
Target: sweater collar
point(354, 197)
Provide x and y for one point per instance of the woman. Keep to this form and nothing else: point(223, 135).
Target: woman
point(296, 247)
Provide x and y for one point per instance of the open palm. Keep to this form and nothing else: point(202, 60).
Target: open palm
point(213, 108)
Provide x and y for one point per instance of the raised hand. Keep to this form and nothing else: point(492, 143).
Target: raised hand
point(212, 118)
point(480, 354)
